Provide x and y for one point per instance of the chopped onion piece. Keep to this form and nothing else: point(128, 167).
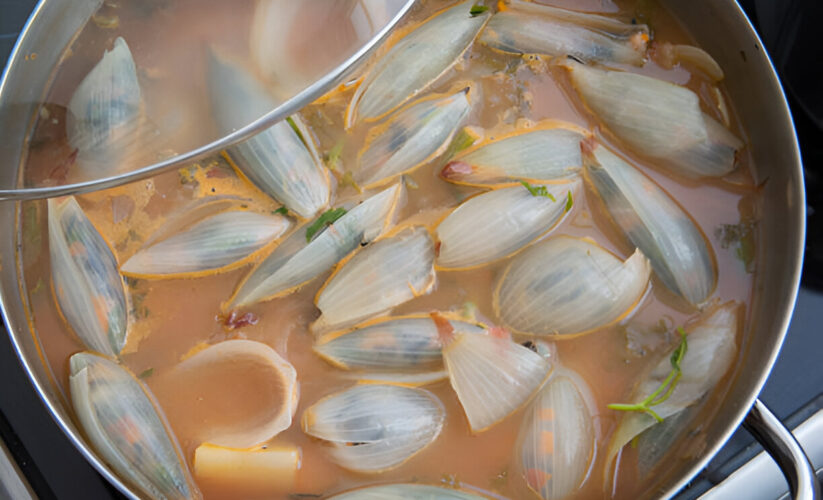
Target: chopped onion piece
point(567, 286)
point(375, 427)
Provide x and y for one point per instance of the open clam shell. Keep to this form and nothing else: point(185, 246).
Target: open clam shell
point(212, 244)
point(375, 427)
point(655, 223)
point(377, 278)
point(518, 217)
point(548, 152)
point(532, 28)
point(282, 160)
point(297, 261)
point(87, 285)
point(411, 137)
point(558, 437)
point(567, 286)
point(658, 119)
point(402, 74)
point(126, 428)
point(105, 111)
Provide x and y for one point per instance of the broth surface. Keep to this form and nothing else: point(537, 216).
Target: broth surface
point(171, 318)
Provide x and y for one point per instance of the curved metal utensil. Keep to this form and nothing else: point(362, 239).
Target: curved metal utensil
point(779, 442)
point(55, 22)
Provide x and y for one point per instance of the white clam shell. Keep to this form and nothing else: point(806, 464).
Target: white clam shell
point(710, 352)
point(296, 261)
point(395, 344)
point(126, 428)
point(383, 275)
point(655, 223)
point(104, 113)
point(558, 437)
point(517, 216)
point(211, 244)
point(87, 285)
point(531, 28)
point(550, 152)
point(277, 160)
point(255, 429)
point(658, 119)
point(406, 492)
point(411, 137)
point(374, 427)
point(566, 286)
point(401, 73)
point(492, 376)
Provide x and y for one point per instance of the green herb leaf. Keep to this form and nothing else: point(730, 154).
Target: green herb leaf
point(146, 373)
point(478, 9)
point(665, 389)
point(296, 130)
point(280, 211)
point(538, 191)
point(327, 219)
point(569, 201)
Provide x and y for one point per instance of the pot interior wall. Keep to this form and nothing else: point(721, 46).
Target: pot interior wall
point(719, 26)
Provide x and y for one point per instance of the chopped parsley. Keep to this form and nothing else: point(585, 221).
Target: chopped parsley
point(539, 191)
point(665, 390)
point(281, 211)
point(327, 219)
point(478, 9)
point(569, 201)
point(463, 140)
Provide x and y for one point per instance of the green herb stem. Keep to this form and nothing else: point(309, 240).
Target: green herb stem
point(327, 219)
point(539, 191)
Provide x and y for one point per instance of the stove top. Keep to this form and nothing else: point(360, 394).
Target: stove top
point(794, 391)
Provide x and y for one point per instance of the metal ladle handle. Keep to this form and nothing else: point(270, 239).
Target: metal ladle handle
point(779, 442)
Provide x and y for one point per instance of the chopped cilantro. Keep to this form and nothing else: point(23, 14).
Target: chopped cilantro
point(538, 191)
point(280, 211)
point(569, 201)
point(327, 219)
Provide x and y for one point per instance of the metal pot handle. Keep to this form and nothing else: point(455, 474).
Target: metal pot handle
point(779, 442)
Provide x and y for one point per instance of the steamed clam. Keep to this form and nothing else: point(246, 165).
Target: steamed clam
point(282, 160)
point(708, 350)
point(120, 418)
point(87, 285)
point(658, 119)
point(375, 427)
point(383, 275)
point(411, 137)
point(105, 111)
point(492, 375)
point(214, 243)
point(654, 222)
point(520, 214)
point(547, 152)
point(566, 286)
point(557, 441)
point(531, 28)
point(297, 261)
point(402, 74)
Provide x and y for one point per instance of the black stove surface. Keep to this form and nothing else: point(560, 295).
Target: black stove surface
point(794, 391)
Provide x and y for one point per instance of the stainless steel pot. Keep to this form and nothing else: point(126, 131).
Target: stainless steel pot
point(720, 26)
